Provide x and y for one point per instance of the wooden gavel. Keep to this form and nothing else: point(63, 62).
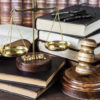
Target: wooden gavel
point(86, 57)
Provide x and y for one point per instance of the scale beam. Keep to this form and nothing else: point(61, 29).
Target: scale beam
point(34, 9)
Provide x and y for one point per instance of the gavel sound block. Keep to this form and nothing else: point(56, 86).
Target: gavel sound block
point(83, 81)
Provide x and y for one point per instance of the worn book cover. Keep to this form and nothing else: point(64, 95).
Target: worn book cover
point(24, 90)
point(9, 72)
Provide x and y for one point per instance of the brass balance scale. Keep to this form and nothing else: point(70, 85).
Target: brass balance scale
point(57, 45)
point(35, 61)
point(10, 50)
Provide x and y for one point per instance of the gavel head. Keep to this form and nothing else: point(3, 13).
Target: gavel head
point(86, 57)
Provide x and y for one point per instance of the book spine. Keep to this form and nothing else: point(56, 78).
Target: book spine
point(17, 4)
point(40, 4)
point(5, 7)
point(93, 3)
point(27, 18)
point(72, 2)
point(50, 4)
point(61, 4)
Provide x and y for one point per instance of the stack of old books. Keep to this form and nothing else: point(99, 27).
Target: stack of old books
point(77, 22)
point(30, 85)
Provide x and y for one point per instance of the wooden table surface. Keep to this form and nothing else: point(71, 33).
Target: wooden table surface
point(53, 93)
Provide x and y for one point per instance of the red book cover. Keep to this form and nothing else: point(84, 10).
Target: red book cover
point(17, 4)
point(5, 11)
point(27, 16)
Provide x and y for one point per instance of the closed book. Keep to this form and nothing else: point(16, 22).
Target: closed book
point(80, 27)
point(74, 41)
point(5, 7)
point(9, 72)
point(24, 90)
point(27, 15)
point(40, 4)
point(69, 53)
point(17, 4)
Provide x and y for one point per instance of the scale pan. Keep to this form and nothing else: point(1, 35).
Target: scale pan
point(8, 51)
point(57, 45)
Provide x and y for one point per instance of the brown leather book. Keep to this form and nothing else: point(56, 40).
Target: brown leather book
point(27, 16)
point(5, 6)
point(9, 72)
point(50, 4)
point(24, 90)
point(17, 4)
point(61, 4)
point(40, 4)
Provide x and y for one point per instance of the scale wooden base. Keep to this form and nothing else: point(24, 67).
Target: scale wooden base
point(81, 87)
point(30, 63)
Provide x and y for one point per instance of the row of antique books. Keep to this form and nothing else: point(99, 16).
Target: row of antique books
point(25, 18)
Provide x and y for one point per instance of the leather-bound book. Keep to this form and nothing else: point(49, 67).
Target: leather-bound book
point(61, 4)
point(50, 4)
point(23, 90)
point(40, 4)
point(5, 6)
point(17, 4)
point(9, 72)
point(27, 16)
